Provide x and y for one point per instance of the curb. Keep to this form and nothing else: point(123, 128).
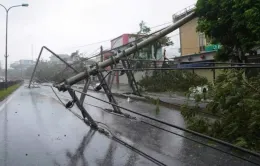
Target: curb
point(149, 99)
point(144, 98)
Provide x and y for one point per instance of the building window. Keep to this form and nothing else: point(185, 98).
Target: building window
point(202, 41)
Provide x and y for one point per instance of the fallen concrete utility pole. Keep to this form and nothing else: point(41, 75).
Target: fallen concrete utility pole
point(101, 65)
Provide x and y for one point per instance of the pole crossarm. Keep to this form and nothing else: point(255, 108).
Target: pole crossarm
point(38, 59)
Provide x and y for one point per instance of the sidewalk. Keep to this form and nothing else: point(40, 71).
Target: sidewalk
point(166, 98)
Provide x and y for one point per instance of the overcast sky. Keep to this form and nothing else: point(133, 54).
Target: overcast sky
point(65, 25)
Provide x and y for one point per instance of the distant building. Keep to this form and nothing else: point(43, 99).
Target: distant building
point(22, 64)
point(124, 42)
point(121, 43)
point(54, 59)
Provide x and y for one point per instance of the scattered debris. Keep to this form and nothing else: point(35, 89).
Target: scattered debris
point(128, 100)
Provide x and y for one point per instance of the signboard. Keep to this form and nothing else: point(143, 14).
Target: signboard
point(212, 47)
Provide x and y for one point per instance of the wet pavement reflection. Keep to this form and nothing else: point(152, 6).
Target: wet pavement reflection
point(37, 130)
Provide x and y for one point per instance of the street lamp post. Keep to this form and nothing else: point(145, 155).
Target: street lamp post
point(6, 36)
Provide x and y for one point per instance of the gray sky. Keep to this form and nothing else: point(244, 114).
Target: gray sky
point(64, 25)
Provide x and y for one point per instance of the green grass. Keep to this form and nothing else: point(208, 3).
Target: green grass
point(4, 93)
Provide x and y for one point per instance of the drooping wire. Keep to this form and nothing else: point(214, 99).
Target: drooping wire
point(124, 143)
point(130, 146)
point(188, 68)
point(192, 132)
point(152, 159)
point(174, 126)
point(174, 133)
point(138, 151)
point(201, 143)
point(227, 63)
point(116, 48)
point(98, 42)
point(134, 41)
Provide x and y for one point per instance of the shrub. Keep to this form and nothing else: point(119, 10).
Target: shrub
point(174, 80)
point(236, 100)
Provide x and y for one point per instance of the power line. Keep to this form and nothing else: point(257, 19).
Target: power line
point(188, 68)
point(98, 42)
point(92, 52)
point(116, 48)
point(213, 63)
point(174, 133)
point(138, 151)
point(161, 25)
point(192, 132)
point(92, 43)
point(174, 126)
point(70, 65)
point(201, 143)
point(152, 159)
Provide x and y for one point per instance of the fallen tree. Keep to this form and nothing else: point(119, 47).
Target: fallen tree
point(173, 81)
point(236, 101)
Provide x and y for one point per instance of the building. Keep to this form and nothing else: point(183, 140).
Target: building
point(18, 69)
point(125, 41)
point(54, 59)
point(194, 46)
point(22, 64)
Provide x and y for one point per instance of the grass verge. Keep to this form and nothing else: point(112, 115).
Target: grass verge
point(4, 93)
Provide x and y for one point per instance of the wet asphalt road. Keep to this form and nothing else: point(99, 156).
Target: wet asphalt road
point(37, 130)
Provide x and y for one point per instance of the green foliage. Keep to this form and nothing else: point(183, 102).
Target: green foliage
point(143, 28)
point(234, 24)
point(189, 111)
point(48, 71)
point(146, 52)
point(237, 101)
point(198, 124)
point(5, 92)
point(163, 81)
